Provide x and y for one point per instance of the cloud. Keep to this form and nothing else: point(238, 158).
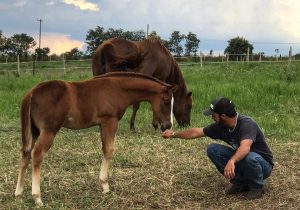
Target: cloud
point(83, 5)
point(59, 43)
point(50, 3)
point(20, 3)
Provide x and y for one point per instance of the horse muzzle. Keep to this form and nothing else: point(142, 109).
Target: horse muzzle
point(165, 126)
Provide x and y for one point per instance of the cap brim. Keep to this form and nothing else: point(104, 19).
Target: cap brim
point(208, 112)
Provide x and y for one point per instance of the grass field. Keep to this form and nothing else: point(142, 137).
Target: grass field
point(149, 172)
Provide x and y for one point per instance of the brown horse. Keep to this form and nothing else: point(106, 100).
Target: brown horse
point(148, 57)
point(100, 101)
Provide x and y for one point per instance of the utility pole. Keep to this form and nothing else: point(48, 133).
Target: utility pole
point(39, 52)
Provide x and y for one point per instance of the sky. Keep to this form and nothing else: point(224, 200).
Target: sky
point(266, 24)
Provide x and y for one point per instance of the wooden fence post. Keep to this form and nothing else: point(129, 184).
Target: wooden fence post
point(33, 65)
point(64, 64)
point(260, 57)
point(290, 55)
point(227, 59)
point(248, 52)
point(200, 60)
point(18, 61)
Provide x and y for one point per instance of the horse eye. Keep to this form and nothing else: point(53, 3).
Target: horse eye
point(167, 102)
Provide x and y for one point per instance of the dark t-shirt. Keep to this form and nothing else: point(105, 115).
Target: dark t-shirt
point(246, 128)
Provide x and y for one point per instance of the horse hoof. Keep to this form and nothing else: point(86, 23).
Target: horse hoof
point(18, 194)
point(38, 202)
point(132, 127)
point(105, 191)
point(105, 188)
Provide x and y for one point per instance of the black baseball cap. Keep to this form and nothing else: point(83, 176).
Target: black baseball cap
point(220, 105)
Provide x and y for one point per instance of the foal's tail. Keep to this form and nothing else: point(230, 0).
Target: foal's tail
point(26, 124)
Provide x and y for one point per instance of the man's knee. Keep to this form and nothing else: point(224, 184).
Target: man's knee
point(251, 159)
point(251, 164)
point(212, 150)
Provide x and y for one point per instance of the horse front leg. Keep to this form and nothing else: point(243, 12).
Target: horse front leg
point(108, 132)
point(135, 108)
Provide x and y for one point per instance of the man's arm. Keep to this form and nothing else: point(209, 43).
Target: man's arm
point(239, 154)
point(191, 133)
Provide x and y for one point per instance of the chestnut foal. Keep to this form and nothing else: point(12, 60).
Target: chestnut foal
point(76, 105)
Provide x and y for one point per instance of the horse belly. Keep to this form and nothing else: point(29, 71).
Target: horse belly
point(81, 117)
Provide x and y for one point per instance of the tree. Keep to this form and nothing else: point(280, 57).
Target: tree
point(43, 53)
point(96, 37)
point(20, 44)
point(191, 44)
point(238, 46)
point(153, 35)
point(134, 35)
point(174, 44)
point(74, 54)
point(2, 42)
point(297, 56)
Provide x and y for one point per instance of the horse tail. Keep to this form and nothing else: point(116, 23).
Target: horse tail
point(26, 124)
point(98, 61)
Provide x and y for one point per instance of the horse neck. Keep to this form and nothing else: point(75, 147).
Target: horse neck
point(140, 90)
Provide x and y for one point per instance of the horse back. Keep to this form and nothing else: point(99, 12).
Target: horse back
point(148, 57)
point(114, 55)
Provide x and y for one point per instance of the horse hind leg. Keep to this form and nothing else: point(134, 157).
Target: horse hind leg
point(135, 108)
point(23, 163)
point(41, 147)
point(25, 157)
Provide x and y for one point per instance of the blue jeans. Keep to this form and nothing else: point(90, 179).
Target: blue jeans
point(249, 172)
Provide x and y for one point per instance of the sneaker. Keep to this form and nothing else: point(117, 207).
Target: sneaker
point(254, 194)
point(234, 189)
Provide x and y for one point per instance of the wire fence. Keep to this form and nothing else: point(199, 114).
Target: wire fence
point(64, 66)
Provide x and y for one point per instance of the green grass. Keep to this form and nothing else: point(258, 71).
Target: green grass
point(147, 171)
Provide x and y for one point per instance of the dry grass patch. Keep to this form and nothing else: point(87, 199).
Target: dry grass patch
point(147, 172)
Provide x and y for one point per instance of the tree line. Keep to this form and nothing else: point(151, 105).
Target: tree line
point(178, 44)
point(25, 45)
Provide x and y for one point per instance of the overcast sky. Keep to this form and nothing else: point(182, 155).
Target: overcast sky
point(267, 24)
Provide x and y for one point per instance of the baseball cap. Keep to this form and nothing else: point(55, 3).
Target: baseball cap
point(220, 105)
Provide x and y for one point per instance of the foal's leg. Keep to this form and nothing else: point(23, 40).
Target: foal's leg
point(108, 131)
point(135, 108)
point(42, 145)
point(25, 157)
point(23, 163)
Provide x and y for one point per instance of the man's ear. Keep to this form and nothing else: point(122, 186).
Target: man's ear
point(224, 116)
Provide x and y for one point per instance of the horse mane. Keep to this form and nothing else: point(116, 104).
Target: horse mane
point(130, 74)
point(151, 41)
point(176, 74)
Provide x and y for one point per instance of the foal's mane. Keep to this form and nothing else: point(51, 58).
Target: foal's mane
point(131, 74)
